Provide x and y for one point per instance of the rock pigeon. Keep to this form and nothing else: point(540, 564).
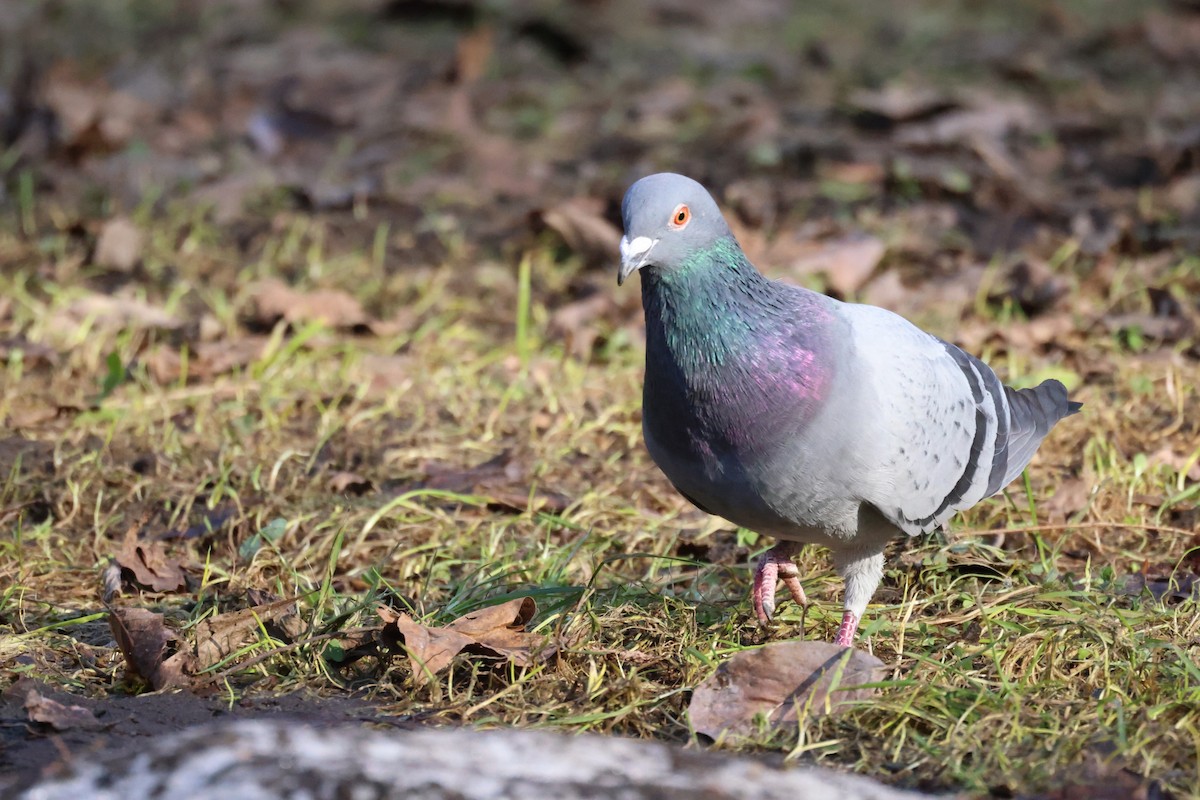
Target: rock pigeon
point(805, 418)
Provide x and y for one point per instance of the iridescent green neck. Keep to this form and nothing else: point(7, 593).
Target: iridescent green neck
point(700, 307)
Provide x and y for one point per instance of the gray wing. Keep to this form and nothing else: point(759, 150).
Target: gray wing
point(946, 433)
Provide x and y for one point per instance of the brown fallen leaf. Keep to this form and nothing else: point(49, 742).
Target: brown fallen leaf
point(781, 683)
point(219, 636)
point(60, 717)
point(274, 300)
point(349, 483)
point(149, 564)
point(898, 103)
point(152, 651)
point(78, 105)
point(581, 224)
point(501, 479)
point(1099, 778)
point(110, 581)
point(1070, 498)
point(846, 263)
point(386, 372)
point(205, 359)
point(1185, 464)
point(988, 118)
point(30, 353)
point(494, 632)
point(577, 321)
point(119, 246)
point(114, 311)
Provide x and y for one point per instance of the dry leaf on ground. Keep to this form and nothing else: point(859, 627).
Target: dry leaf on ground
point(149, 564)
point(219, 636)
point(60, 717)
point(119, 245)
point(496, 632)
point(577, 321)
point(1071, 497)
point(1186, 464)
point(205, 359)
point(274, 300)
point(846, 263)
point(781, 682)
point(114, 311)
point(581, 223)
point(502, 479)
point(1098, 778)
point(349, 483)
point(899, 103)
point(30, 353)
point(151, 649)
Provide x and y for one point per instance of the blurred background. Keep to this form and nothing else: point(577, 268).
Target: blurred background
point(862, 148)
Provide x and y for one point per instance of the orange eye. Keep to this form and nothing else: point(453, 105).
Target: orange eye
point(681, 216)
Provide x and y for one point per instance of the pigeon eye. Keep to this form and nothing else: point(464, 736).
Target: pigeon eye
point(681, 216)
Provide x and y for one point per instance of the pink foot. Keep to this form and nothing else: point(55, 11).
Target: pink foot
point(775, 564)
point(845, 634)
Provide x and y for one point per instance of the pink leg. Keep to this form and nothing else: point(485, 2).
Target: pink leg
point(845, 634)
point(774, 565)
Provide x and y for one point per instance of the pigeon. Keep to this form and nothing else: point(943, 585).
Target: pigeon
point(805, 418)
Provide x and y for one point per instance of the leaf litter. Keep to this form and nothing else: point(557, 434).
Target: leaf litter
point(1043, 214)
point(779, 685)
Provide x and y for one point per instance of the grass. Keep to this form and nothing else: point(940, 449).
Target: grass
point(1008, 664)
point(1017, 654)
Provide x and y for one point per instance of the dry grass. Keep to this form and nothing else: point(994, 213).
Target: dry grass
point(1015, 660)
point(1010, 662)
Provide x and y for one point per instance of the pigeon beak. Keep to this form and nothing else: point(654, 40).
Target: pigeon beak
point(634, 253)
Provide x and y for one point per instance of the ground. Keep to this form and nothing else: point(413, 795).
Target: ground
point(316, 301)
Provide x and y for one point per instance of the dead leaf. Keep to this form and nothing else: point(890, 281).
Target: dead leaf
point(494, 632)
point(581, 224)
point(91, 116)
point(1099, 778)
point(473, 52)
point(60, 717)
point(501, 479)
point(119, 245)
point(1165, 329)
point(1031, 335)
point(30, 353)
point(388, 371)
point(1175, 37)
point(31, 455)
point(1186, 464)
point(115, 311)
point(1031, 285)
point(988, 118)
point(1177, 586)
point(898, 103)
point(846, 263)
point(349, 483)
point(149, 563)
point(1070, 498)
point(781, 683)
point(110, 581)
point(275, 300)
point(152, 651)
point(576, 321)
point(219, 636)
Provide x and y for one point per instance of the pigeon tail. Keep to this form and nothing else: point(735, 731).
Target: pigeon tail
point(1032, 413)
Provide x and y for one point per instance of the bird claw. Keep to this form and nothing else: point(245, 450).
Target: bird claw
point(775, 564)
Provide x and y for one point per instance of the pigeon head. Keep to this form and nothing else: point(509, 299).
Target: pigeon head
point(667, 218)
